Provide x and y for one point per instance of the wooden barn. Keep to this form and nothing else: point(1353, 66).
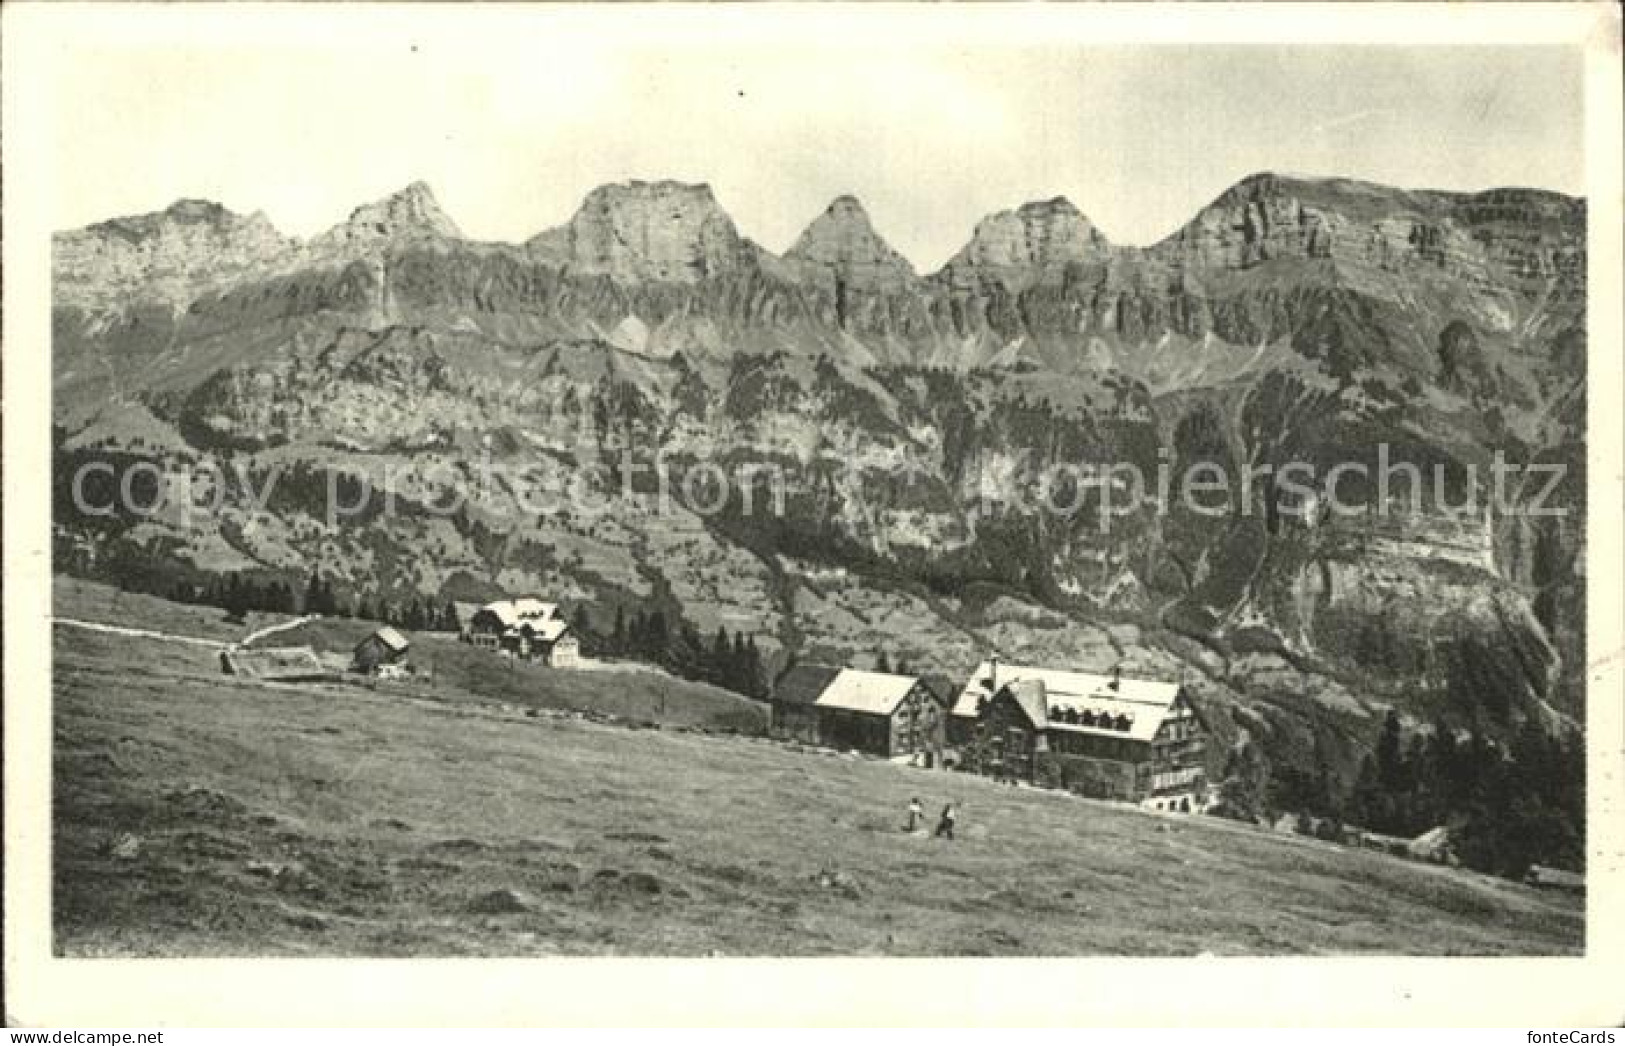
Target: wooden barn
point(384, 647)
point(794, 702)
point(526, 628)
point(1104, 736)
point(880, 713)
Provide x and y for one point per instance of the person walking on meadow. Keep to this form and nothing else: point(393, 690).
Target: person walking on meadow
point(916, 814)
point(945, 824)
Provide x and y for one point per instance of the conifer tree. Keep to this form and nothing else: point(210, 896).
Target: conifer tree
point(755, 676)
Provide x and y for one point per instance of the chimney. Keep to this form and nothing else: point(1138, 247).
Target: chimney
point(1117, 677)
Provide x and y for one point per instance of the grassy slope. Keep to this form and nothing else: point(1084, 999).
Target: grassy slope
point(93, 601)
point(460, 671)
point(338, 820)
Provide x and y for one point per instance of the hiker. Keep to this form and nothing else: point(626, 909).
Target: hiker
point(945, 824)
point(916, 814)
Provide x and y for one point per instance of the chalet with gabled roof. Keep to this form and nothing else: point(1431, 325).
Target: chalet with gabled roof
point(384, 647)
point(526, 628)
point(881, 713)
point(794, 702)
point(1105, 736)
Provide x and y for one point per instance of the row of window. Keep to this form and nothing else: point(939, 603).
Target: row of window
point(1175, 778)
point(1102, 720)
point(1104, 747)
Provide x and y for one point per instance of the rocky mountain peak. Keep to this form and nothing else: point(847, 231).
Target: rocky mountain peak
point(1269, 216)
point(1263, 183)
point(199, 211)
point(638, 193)
point(1320, 318)
point(1020, 247)
point(665, 231)
point(164, 256)
point(413, 213)
point(848, 207)
point(841, 245)
point(1386, 239)
point(183, 218)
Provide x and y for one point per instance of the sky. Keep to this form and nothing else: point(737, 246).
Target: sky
point(512, 122)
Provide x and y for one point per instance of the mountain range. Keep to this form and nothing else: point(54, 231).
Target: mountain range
point(1290, 320)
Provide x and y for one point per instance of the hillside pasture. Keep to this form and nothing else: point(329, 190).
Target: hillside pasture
point(200, 815)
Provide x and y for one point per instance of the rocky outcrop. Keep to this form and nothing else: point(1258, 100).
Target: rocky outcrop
point(1382, 236)
point(1536, 239)
point(1465, 643)
point(859, 286)
point(170, 256)
point(1016, 249)
point(198, 250)
point(640, 232)
point(409, 216)
point(1258, 219)
point(841, 249)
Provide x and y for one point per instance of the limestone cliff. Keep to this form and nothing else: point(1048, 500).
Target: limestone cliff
point(663, 232)
point(1031, 244)
point(170, 256)
point(1290, 320)
point(840, 247)
point(412, 215)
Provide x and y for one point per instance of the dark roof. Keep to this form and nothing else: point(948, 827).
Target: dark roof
point(803, 684)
